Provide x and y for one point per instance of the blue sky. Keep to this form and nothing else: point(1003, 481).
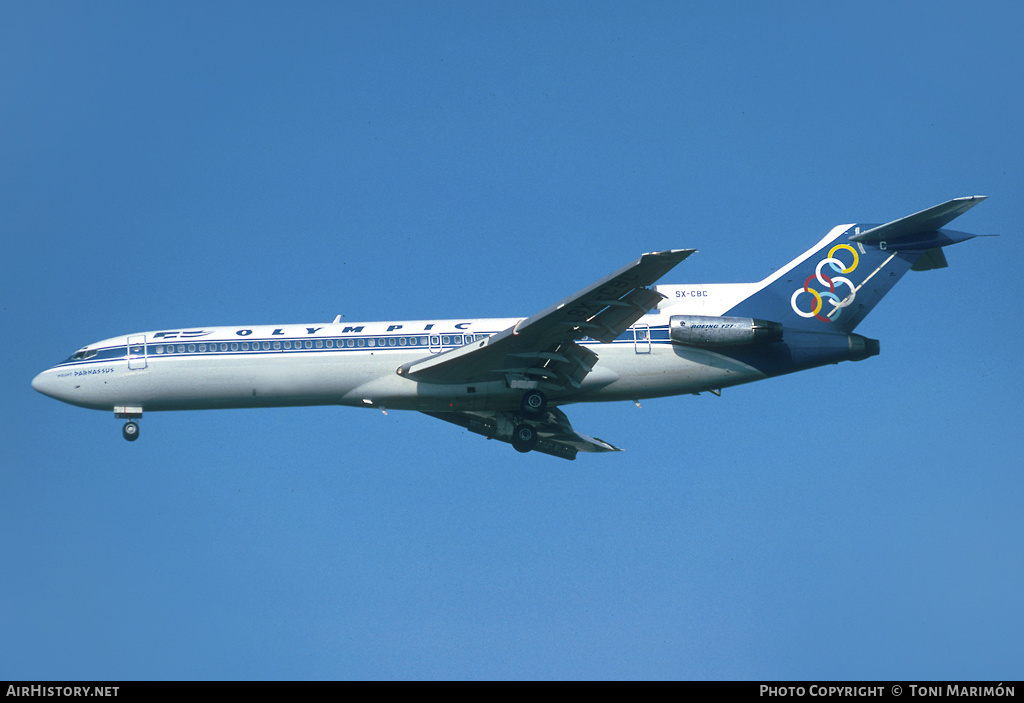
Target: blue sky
point(171, 164)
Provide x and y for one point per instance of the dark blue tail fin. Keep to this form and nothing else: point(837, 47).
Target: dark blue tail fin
point(835, 284)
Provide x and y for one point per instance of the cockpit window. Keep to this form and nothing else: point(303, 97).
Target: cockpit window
point(83, 354)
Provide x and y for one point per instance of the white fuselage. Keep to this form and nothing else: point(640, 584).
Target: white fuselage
point(355, 364)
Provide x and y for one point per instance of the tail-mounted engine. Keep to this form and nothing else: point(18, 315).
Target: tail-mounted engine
point(707, 331)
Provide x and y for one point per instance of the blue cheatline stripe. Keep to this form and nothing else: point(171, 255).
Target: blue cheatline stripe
point(293, 345)
point(659, 334)
point(236, 347)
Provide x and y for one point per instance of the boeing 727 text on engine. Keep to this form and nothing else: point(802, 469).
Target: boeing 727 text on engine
point(621, 338)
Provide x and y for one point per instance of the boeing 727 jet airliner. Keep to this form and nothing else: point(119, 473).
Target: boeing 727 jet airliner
point(621, 338)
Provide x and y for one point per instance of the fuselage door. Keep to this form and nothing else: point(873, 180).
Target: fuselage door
point(435, 343)
point(137, 352)
point(642, 345)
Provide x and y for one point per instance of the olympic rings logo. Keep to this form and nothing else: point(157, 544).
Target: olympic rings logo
point(837, 266)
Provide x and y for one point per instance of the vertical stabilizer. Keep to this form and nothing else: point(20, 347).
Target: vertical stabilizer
point(835, 284)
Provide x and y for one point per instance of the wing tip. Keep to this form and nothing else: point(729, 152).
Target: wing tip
point(672, 256)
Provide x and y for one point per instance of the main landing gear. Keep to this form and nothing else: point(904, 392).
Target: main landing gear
point(533, 406)
point(524, 438)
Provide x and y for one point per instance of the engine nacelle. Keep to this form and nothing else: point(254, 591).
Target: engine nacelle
point(707, 331)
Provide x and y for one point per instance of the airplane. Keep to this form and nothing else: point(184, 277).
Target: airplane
point(622, 338)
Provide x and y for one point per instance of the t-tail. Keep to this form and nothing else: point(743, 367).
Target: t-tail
point(835, 284)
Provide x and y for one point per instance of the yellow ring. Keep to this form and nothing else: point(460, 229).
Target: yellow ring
point(856, 259)
point(817, 300)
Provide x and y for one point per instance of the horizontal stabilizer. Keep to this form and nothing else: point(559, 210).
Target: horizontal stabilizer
point(919, 223)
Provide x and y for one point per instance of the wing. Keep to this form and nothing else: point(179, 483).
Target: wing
point(543, 348)
point(555, 436)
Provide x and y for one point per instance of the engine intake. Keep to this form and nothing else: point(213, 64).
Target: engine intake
point(708, 331)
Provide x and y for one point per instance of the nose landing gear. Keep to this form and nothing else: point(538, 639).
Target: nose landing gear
point(131, 413)
point(130, 431)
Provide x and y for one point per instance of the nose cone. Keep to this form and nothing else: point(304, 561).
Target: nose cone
point(60, 383)
point(49, 384)
point(45, 383)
